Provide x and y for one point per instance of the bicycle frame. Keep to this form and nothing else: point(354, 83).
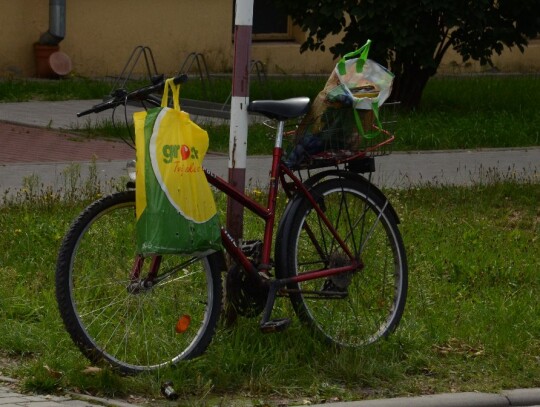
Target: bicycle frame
point(268, 214)
point(278, 172)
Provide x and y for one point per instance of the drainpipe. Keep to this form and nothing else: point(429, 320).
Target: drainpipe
point(57, 23)
point(50, 62)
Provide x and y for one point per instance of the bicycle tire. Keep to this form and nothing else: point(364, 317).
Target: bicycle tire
point(369, 302)
point(117, 320)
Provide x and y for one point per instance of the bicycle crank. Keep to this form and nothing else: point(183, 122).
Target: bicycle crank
point(246, 292)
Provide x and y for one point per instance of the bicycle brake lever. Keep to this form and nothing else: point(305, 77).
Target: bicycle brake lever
point(119, 93)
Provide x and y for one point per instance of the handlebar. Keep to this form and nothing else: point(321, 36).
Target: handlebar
point(121, 96)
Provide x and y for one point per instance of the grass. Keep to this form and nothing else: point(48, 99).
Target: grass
point(261, 137)
point(468, 112)
point(471, 321)
point(217, 90)
point(23, 90)
point(473, 112)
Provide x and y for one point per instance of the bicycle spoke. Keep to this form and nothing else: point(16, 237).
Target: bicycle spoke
point(131, 323)
point(357, 307)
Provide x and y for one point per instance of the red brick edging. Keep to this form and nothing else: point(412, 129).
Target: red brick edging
point(25, 144)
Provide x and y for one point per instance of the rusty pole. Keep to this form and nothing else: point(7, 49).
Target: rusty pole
point(239, 115)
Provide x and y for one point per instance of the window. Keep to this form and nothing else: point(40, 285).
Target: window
point(269, 24)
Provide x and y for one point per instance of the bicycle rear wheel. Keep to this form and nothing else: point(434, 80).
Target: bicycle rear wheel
point(111, 308)
point(354, 308)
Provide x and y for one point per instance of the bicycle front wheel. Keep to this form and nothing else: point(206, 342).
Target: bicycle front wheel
point(358, 307)
point(115, 311)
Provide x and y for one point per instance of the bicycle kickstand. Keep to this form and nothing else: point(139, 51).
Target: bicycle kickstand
point(273, 325)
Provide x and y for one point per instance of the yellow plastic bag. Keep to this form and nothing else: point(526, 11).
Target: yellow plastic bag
point(175, 207)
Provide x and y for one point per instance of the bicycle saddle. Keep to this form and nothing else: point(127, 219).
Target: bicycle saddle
point(280, 109)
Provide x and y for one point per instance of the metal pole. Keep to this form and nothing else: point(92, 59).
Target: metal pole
point(239, 116)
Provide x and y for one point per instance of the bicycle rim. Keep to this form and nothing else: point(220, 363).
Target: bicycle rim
point(359, 307)
point(114, 317)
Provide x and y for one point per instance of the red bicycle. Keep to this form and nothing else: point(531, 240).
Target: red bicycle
point(338, 257)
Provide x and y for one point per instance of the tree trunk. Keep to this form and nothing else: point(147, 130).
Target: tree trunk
point(409, 85)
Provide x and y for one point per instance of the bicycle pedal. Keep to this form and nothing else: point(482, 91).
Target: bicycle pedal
point(276, 325)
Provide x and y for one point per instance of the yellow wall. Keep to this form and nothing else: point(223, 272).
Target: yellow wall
point(19, 28)
point(101, 34)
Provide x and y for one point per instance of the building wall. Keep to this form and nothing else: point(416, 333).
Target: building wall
point(101, 35)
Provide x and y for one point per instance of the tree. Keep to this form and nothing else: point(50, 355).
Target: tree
point(412, 36)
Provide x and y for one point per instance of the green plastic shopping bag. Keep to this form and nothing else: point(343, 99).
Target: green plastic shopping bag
point(362, 79)
point(356, 83)
point(362, 83)
point(175, 207)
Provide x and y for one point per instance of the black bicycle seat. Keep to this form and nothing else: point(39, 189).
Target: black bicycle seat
point(280, 109)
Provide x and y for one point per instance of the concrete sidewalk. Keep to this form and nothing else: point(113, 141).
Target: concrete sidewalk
point(10, 395)
point(521, 398)
point(32, 149)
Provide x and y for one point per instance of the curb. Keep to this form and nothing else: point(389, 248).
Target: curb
point(507, 398)
point(9, 396)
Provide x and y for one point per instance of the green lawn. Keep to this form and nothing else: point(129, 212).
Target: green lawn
point(470, 324)
point(461, 112)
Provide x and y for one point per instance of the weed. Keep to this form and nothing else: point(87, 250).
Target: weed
point(470, 324)
point(471, 320)
point(77, 186)
point(455, 113)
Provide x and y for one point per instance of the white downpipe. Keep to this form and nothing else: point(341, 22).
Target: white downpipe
point(57, 23)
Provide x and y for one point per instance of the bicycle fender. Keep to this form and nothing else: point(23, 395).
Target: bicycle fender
point(292, 206)
point(284, 222)
point(314, 180)
point(309, 183)
point(292, 203)
point(219, 255)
